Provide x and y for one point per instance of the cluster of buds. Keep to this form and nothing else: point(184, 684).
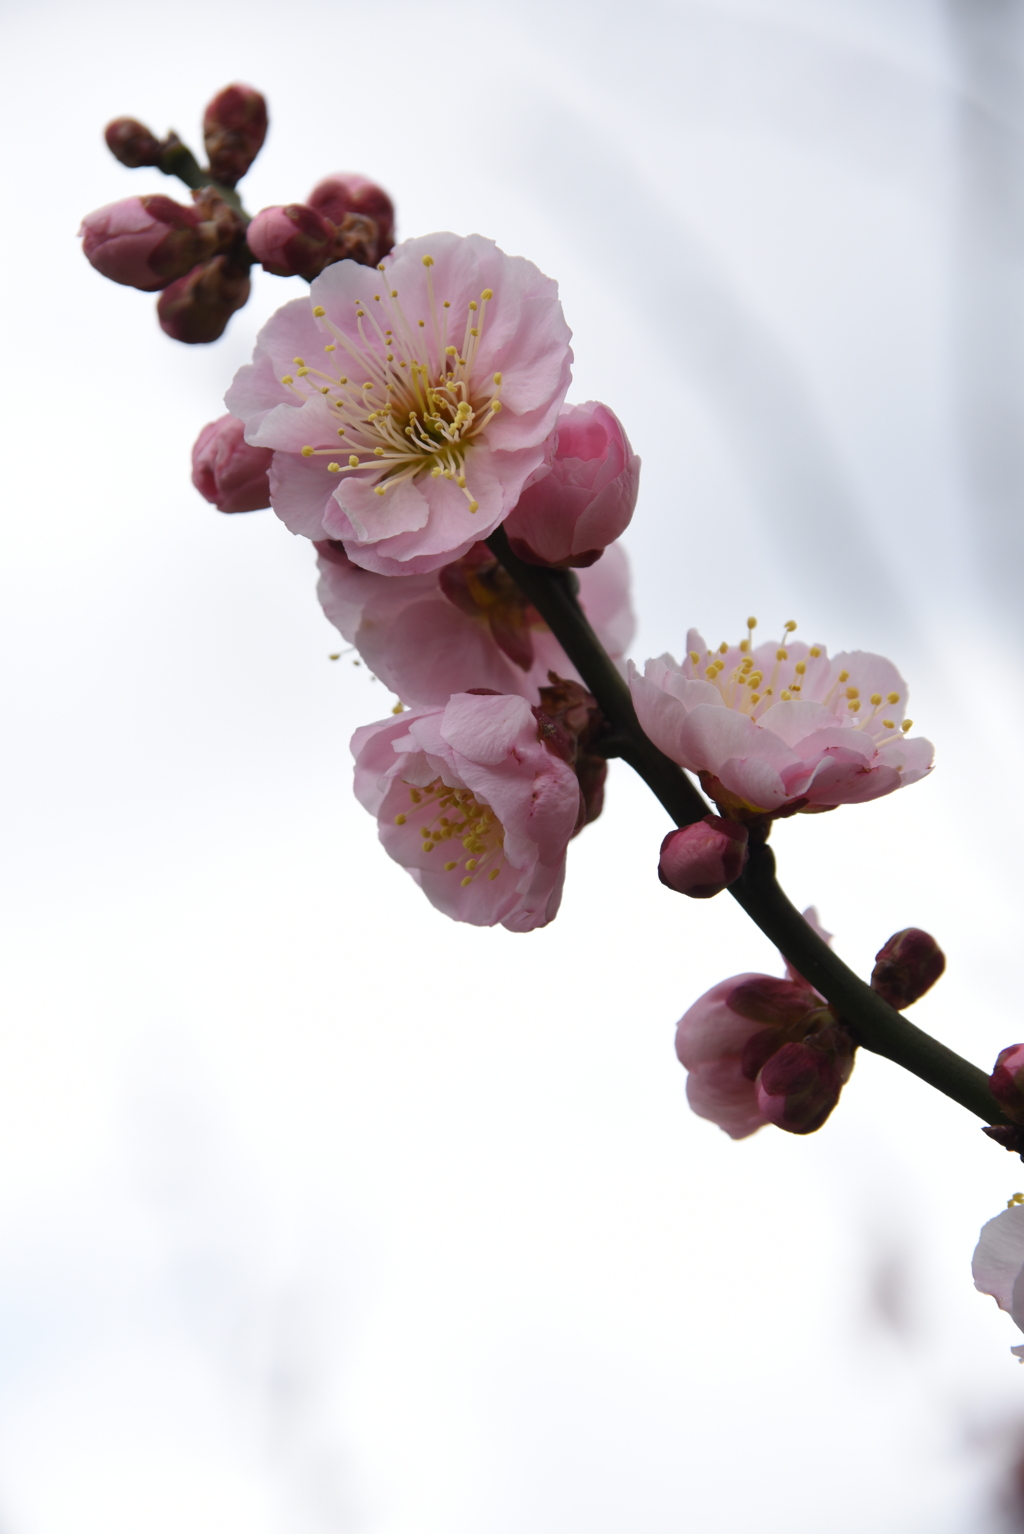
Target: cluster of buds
point(762, 1050)
point(198, 258)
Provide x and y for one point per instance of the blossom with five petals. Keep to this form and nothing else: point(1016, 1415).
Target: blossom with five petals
point(465, 626)
point(409, 406)
point(474, 805)
point(781, 727)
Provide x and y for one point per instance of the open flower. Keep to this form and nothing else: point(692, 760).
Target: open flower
point(781, 727)
point(998, 1262)
point(760, 1050)
point(466, 625)
point(409, 406)
point(474, 805)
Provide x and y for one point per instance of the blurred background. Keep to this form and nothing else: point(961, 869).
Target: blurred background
point(318, 1212)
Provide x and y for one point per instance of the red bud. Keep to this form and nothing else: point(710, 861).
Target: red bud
point(908, 965)
point(132, 143)
point(196, 308)
point(234, 127)
point(701, 859)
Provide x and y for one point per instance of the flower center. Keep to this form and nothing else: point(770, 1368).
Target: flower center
point(475, 825)
point(752, 680)
point(419, 407)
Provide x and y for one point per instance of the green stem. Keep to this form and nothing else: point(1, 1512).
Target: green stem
point(874, 1024)
point(178, 160)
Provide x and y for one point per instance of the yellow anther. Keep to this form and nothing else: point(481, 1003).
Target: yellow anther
point(302, 372)
point(815, 650)
point(790, 627)
point(785, 695)
point(497, 378)
point(473, 330)
point(473, 304)
point(486, 294)
point(854, 707)
point(428, 260)
point(889, 724)
point(470, 864)
point(801, 667)
point(451, 351)
point(694, 656)
point(379, 489)
point(853, 692)
point(711, 672)
point(449, 866)
point(394, 294)
point(474, 505)
point(341, 431)
point(908, 724)
point(755, 697)
point(428, 846)
point(876, 698)
point(494, 873)
point(331, 348)
point(353, 461)
point(307, 452)
point(287, 379)
point(378, 452)
point(467, 880)
point(300, 362)
point(723, 648)
point(461, 481)
point(495, 405)
point(400, 820)
point(844, 676)
point(782, 655)
point(892, 697)
point(744, 645)
point(319, 312)
point(751, 623)
point(334, 468)
point(447, 305)
point(422, 324)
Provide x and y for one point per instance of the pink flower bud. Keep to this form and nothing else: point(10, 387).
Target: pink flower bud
point(293, 241)
point(227, 470)
point(701, 859)
point(196, 308)
point(338, 195)
point(800, 1083)
point(1007, 1081)
point(132, 143)
point(586, 499)
point(908, 965)
point(234, 127)
point(145, 242)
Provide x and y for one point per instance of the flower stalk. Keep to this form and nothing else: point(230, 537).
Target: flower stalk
point(873, 1022)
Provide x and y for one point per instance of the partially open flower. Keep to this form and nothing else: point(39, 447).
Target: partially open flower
point(474, 805)
point(702, 859)
point(586, 500)
point(408, 408)
point(227, 471)
point(998, 1263)
point(764, 1051)
point(146, 242)
point(781, 728)
point(464, 626)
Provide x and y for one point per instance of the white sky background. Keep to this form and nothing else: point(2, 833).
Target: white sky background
point(321, 1213)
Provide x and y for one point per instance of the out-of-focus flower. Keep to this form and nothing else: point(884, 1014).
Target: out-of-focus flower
point(132, 143)
point(998, 1263)
point(345, 194)
point(701, 859)
point(227, 471)
point(730, 1036)
point(587, 499)
point(196, 308)
point(146, 242)
point(234, 127)
point(906, 967)
point(474, 805)
point(464, 626)
point(781, 728)
point(409, 408)
point(297, 241)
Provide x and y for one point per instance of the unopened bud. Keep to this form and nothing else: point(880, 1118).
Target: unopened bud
point(585, 500)
point(234, 127)
point(292, 241)
point(132, 143)
point(1007, 1081)
point(908, 965)
point(700, 860)
point(146, 242)
point(800, 1083)
point(196, 308)
point(345, 193)
point(227, 470)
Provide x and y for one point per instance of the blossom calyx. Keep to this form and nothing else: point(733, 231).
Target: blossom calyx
point(197, 307)
point(234, 127)
point(570, 724)
point(338, 196)
point(908, 965)
point(132, 143)
point(799, 1084)
point(146, 242)
point(586, 499)
point(227, 471)
point(701, 859)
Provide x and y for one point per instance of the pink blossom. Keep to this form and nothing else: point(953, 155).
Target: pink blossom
point(409, 408)
point(466, 625)
point(146, 242)
point(782, 728)
point(227, 471)
point(730, 1036)
point(700, 860)
point(470, 801)
point(998, 1263)
point(587, 499)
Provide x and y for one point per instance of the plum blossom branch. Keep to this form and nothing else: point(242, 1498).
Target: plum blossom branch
point(872, 1021)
